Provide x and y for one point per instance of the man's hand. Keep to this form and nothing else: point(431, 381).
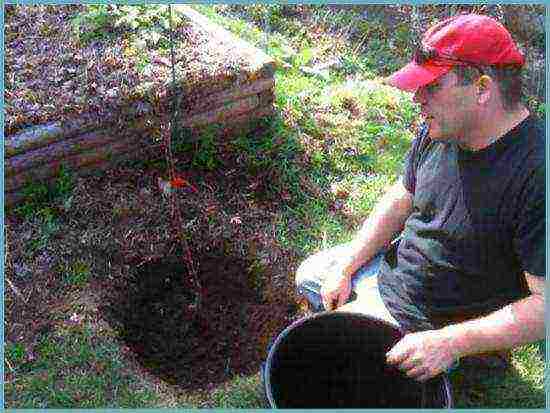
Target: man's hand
point(335, 290)
point(423, 355)
point(426, 354)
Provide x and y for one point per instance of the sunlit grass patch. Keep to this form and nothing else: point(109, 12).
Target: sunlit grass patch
point(292, 86)
point(240, 28)
point(362, 192)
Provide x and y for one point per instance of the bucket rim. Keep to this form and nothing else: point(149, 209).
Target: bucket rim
point(267, 368)
point(297, 323)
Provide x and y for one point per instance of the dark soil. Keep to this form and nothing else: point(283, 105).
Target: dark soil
point(194, 346)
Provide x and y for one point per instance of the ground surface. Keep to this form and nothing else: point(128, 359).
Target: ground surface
point(120, 227)
point(109, 256)
point(117, 236)
point(100, 311)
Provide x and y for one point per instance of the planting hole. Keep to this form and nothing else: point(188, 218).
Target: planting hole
point(155, 319)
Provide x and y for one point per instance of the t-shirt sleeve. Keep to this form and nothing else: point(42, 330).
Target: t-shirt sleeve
point(530, 228)
point(412, 159)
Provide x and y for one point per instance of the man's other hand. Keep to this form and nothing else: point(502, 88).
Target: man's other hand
point(336, 290)
point(423, 355)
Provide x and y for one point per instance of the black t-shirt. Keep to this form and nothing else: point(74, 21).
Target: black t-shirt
point(478, 223)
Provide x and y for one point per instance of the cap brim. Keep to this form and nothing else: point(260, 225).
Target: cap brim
point(414, 76)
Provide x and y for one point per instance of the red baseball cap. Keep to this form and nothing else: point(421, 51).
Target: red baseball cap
point(467, 40)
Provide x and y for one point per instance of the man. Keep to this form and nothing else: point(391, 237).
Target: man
point(467, 276)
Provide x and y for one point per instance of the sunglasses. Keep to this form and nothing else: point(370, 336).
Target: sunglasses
point(423, 54)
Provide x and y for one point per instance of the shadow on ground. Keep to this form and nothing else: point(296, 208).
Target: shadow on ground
point(493, 388)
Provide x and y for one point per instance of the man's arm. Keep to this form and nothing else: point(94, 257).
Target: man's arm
point(518, 323)
point(425, 354)
point(387, 218)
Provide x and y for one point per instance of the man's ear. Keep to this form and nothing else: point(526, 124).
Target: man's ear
point(483, 87)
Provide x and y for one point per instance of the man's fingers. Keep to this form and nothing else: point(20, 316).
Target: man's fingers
point(417, 372)
point(426, 375)
point(422, 373)
point(398, 353)
point(327, 301)
point(341, 299)
point(408, 364)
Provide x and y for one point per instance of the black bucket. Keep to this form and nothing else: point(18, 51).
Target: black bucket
point(337, 360)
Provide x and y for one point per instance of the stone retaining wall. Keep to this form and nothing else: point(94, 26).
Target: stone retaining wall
point(232, 101)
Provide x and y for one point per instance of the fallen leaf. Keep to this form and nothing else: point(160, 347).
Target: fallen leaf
point(179, 182)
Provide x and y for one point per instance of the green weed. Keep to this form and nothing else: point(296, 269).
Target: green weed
point(15, 352)
point(38, 196)
point(138, 17)
point(78, 274)
point(145, 25)
point(95, 23)
point(205, 151)
point(48, 227)
point(63, 185)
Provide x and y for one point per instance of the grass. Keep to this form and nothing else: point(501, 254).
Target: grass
point(240, 393)
point(48, 227)
point(338, 142)
point(73, 366)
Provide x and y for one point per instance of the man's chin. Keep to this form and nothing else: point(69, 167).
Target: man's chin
point(435, 135)
point(441, 138)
